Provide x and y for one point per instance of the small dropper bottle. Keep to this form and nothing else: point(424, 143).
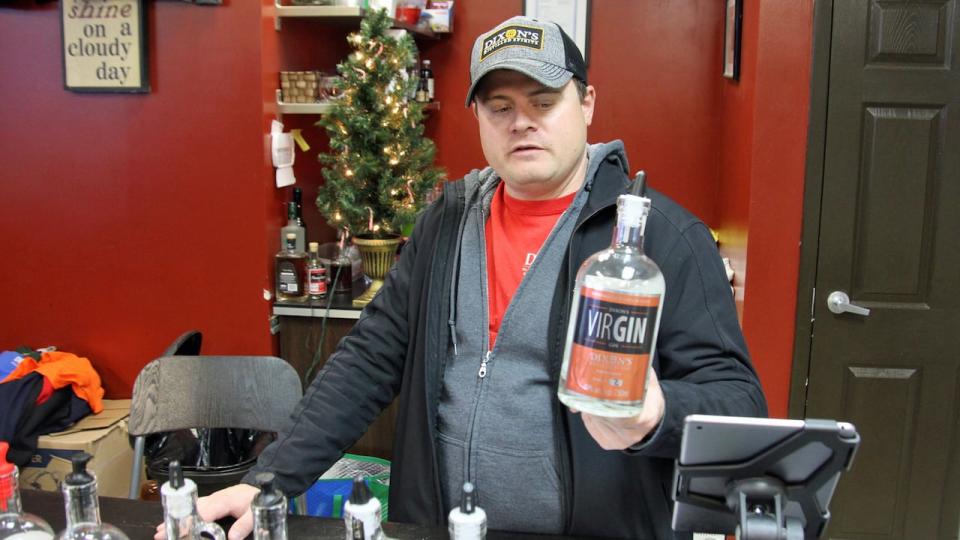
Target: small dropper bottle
point(269, 509)
point(361, 514)
point(15, 524)
point(180, 516)
point(467, 521)
point(82, 506)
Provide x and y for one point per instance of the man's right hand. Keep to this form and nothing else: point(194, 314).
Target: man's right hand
point(232, 501)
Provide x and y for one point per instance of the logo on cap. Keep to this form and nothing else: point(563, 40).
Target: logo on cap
point(512, 36)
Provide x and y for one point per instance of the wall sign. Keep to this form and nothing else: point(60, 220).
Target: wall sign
point(104, 46)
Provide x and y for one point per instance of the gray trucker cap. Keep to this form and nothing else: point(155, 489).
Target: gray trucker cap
point(540, 50)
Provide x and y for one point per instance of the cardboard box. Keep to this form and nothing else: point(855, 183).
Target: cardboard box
point(440, 17)
point(104, 436)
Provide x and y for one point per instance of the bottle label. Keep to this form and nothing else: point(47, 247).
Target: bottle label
point(287, 278)
point(611, 345)
point(317, 281)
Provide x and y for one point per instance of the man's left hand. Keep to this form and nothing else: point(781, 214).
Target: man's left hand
point(621, 433)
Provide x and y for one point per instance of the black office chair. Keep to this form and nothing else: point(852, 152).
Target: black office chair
point(180, 392)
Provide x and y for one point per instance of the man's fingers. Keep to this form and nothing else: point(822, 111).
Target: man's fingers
point(242, 527)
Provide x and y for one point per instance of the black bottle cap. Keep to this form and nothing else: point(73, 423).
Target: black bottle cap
point(639, 187)
point(467, 502)
point(360, 493)
point(79, 476)
point(297, 196)
point(176, 474)
point(269, 495)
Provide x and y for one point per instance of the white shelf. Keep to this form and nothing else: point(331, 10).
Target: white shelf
point(318, 11)
point(302, 108)
point(339, 12)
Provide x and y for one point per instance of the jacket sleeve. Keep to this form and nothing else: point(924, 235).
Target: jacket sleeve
point(701, 357)
point(358, 380)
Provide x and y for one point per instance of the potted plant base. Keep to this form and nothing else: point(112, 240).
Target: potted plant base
point(378, 256)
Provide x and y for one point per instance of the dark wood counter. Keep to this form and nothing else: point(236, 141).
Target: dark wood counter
point(139, 520)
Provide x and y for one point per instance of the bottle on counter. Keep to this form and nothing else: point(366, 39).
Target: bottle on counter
point(293, 226)
point(180, 517)
point(269, 510)
point(426, 73)
point(361, 513)
point(316, 274)
point(467, 521)
point(82, 506)
point(614, 319)
point(15, 524)
point(291, 267)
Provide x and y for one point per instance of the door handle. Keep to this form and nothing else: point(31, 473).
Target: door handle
point(839, 302)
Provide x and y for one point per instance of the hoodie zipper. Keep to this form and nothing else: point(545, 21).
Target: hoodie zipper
point(485, 359)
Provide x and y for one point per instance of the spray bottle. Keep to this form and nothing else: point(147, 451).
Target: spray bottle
point(468, 521)
point(361, 514)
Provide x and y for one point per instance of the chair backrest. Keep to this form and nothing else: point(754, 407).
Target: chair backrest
point(183, 392)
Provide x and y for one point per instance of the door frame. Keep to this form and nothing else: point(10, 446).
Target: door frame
point(812, 194)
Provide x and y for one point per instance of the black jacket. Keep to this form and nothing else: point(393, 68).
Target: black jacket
point(399, 344)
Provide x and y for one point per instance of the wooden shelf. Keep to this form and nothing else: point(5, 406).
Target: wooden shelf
point(323, 107)
point(340, 12)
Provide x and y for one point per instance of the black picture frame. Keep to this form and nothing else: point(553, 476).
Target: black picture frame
point(733, 25)
point(76, 73)
point(580, 13)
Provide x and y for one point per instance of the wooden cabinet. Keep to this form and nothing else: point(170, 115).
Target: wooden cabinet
point(301, 328)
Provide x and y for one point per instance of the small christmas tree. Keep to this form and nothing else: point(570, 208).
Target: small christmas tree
point(380, 166)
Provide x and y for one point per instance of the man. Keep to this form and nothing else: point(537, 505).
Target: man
point(468, 329)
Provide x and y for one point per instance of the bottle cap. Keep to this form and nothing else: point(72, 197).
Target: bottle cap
point(176, 474)
point(631, 210)
point(467, 501)
point(79, 476)
point(6, 476)
point(269, 495)
point(360, 493)
point(314, 247)
point(426, 63)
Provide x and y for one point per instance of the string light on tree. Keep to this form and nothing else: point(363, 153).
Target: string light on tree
point(380, 166)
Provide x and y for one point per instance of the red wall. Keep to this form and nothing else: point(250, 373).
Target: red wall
point(127, 219)
point(763, 148)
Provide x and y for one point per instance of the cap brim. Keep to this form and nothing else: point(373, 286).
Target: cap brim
point(549, 75)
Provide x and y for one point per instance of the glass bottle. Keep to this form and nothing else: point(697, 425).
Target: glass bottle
point(180, 515)
point(82, 506)
point(426, 73)
point(294, 227)
point(467, 521)
point(362, 513)
point(291, 266)
point(614, 319)
point(316, 274)
point(15, 524)
point(269, 509)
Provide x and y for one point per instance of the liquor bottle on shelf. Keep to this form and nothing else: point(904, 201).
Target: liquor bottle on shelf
point(83, 507)
point(15, 524)
point(614, 319)
point(316, 274)
point(423, 93)
point(298, 199)
point(294, 227)
point(291, 266)
point(180, 515)
point(269, 510)
point(426, 73)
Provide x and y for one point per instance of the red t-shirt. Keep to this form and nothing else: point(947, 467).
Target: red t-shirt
point(515, 232)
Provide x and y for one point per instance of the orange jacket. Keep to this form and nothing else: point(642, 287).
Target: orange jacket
point(61, 369)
